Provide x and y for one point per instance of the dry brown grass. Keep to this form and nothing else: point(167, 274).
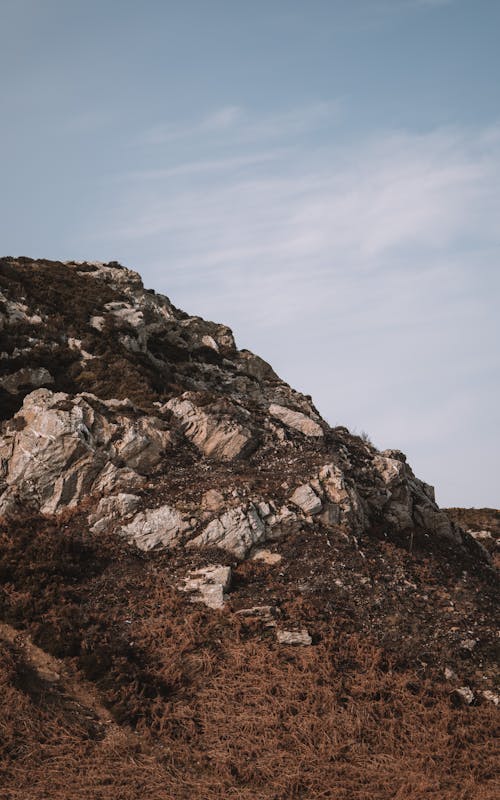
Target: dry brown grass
point(205, 707)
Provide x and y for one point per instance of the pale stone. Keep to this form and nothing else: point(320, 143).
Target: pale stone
point(156, 527)
point(76, 344)
point(208, 585)
point(306, 499)
point(216, 437)
point(237, 531)
point(110, 509)
point(126, 312)
point(480, 535)
point(97, 322)
point(492, 697)
point(344, 505)
point(209, 341)
point(465, 694)
point(264, 509)
point(264, 614)
point(256, 611)
point(266, 556)
point(300, 637)
point(282, 523)
point(389, 469)
point(212, 500)
point(143, 444)
point(66, 449)
point(296, 420)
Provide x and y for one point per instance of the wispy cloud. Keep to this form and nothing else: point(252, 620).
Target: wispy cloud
point(215, 165)
point(231, 120)
point(365, 271)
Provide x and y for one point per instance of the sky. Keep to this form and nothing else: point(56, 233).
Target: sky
point(322, 175)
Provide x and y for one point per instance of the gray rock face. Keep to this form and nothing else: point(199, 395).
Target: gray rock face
point(156, 527)
point(306, 499)
point(237, 531)
point(110, 509)
point(12, 312)
point(296, 420)
point(34, 378)
point(62, 449)
point(216, 436)
point(408, 500)
point(205, 397)
point(343, 503)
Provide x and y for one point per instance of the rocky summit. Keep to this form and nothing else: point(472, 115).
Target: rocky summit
point(207, 590)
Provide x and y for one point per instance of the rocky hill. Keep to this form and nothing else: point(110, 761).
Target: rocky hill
point(206, 590)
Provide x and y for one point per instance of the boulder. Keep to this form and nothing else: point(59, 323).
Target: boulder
point(343, 505)
point(296, 420)
point(110, 509)
point(26, 378)
point(305, 498)
point(143, 443)
point(216, 435)
point(156, 527)
point(237, 531)
point(282, 522)
point(295, 637)
point(208, 585)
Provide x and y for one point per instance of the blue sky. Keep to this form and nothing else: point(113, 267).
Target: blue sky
point(323, 176)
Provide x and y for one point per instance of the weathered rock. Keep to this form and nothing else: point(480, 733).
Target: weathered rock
point(52, 439)
point(343, 504)
point(143, 444)
point(264, 614)
point(305, 498)
point(212, 500)
point(26, 378)
point(60, 449)
point(429, 517)
point(156, 527)
point(296, 420)
point(480, 535)
point(282, 523)
point(237, 531)
point(110, 509)
point(492, 697)
point(255, 366)
point(464, 694)
point(218, 437)
point(295, 637)
point(13, 312)
point(266, 556)
point(64, 448)
point(208, 585)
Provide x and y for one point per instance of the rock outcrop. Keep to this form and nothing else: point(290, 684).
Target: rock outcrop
point(191, 389)
point(205, 585)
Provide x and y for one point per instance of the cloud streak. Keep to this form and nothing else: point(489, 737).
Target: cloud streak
point(231, 121)
point(364, 271)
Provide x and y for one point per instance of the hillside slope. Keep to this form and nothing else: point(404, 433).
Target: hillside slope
point(206, 590)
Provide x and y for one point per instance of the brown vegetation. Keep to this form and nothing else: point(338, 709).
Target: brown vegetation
point(205, 706)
